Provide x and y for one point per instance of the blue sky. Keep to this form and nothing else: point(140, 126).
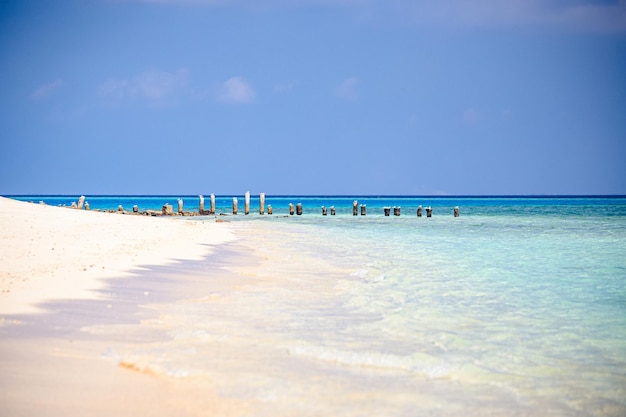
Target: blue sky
point(313, 97)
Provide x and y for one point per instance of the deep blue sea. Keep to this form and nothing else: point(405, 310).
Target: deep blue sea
point(517, 307)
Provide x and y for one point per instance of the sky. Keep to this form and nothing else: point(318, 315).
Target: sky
point(325, 97)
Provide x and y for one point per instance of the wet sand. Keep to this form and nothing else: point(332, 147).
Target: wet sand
point(77, 358)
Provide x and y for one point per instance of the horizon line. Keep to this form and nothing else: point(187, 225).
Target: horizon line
point(337, 195)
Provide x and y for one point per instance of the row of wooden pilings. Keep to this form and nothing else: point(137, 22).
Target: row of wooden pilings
point(168, 210)
point(297, 209)
point(211, 210)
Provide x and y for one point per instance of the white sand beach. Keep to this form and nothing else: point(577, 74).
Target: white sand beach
point(63, 256)
point(53, 253)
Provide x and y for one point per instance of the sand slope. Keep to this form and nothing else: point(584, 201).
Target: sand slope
point(49, 253)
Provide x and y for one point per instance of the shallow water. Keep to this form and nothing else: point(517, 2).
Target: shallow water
point(518, 307)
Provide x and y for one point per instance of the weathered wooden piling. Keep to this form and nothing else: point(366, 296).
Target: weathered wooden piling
point(396, 211)
point(429, 212)
point(332, 210)
point(269, 209)
point(180, 206)
point(419, 211)
point(291, 209)
point(212, 206)
point(86, 205)
point(363, 209)
point(135, 208)
point(387, 210)
point(201, 204)
point(166, 210)
point(324, 211)
point(246, 208)
point(262, 203)
point(81, 201)
point(456, 211)
point(355, 210)
point(235, 205)
point(299, 209)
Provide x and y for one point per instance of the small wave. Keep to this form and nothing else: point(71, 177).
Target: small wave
point(418, 363)
point(377, 278)
point(368, 276)
point(361, 273)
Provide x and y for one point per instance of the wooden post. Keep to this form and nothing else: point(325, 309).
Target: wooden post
point(362, 209)
point(269, 209)
point(81, 201)
point(354, 207)
point(86, 205)
point(387, 210)
point(396, 211)
point(180, 206)
point(323, 210)
point(201, 204)
point(262, 203)
point(212, 207)
point(332, 210)
point(246, 209)
point(291, 209)
point(166, 209)
point(456, 211)
point(135, 209)
point(235, 204)
point(429, 212)
point(299, 209)
point(419, 211)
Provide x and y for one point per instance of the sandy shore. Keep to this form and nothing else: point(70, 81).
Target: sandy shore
point(125, 330)
point(52, 253)
point(81, 269)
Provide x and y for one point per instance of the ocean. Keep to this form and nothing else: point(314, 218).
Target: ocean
point(516, 307)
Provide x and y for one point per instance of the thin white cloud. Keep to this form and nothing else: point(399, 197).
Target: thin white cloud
point(192, 2)
point(347, 90)
point(154, 86)
point(259, 4)
point(576, 15)
point(236, 90)
point(597, 17)
point(46, 90)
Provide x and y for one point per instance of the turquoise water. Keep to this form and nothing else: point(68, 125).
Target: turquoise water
point(496, 206)
point(533, 304)
point(517, 307)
